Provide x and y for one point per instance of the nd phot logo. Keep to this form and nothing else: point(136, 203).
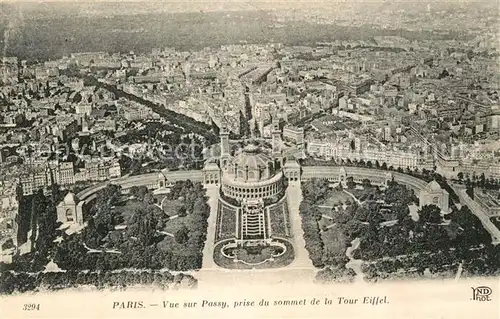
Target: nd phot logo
point(481, 293)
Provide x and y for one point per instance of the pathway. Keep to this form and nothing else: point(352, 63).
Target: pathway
point(208, 250)
point(459, 271)
point(165, 233)
point(160, 205)
point(294, 196)
point(92, 250)
point(354, 197)
point(300, 271)
point(355, 264)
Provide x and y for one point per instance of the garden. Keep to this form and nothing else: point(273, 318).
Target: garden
point(392, 241)
point(279, 253)
point(139, 233)
point(226, 221)
point(280, 221)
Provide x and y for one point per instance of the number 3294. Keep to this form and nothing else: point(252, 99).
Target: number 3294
point(31, 306)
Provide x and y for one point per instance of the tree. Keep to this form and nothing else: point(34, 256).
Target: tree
point(350, 183)
point(430, 214)
point(256, 131)
point(375, 218)
point(341, 216)
point(353, 145)
point(141, 193)
point(339, 187)
point(443, 74)
point(315, 189)
point(148, 198)
point(200, 207)
point(142, 226)
point(133, 190)
point(182, 235)
point(366, 183)
point(473, 231)
point(469, 190)
point(401, 211)
point(181, 212)
point(353, 229)
point(482, 180)
point(244, 125)
point(362, 213)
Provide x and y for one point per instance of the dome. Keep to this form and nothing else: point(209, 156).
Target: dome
point(69, 199)
point(253, 157)
point(252, 174)
point(433, 187)
point(251, 164)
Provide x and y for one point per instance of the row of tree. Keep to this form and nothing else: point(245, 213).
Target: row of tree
point(335, 274)
point(313, 191)
point(190, 125)
point(424, 174)
point(23, 282)
point(482, 261)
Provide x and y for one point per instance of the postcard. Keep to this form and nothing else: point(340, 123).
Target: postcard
point(257, 159)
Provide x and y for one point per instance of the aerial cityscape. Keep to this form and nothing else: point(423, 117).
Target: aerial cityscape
point(174, 146)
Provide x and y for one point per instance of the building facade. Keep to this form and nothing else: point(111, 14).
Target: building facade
point(69, 211)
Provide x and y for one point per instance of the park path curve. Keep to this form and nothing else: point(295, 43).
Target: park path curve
point(355, 264)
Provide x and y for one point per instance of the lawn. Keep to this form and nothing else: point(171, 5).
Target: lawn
point(169, 244)
point(279, 220)
point(226, 222)
point(327, 211)
point(325, 222)
point(127, 208)
point(336, 198)
point(334, 241)
point(364, 193)
point(158, 198)
point(171, 207)
point(175, 224)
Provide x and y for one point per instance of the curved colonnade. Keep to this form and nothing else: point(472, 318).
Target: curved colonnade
point(332, 173)
point(376, 176)
point(150, 180)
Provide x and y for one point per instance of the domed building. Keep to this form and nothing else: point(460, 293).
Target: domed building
point(252, 174)
point(252, 213)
